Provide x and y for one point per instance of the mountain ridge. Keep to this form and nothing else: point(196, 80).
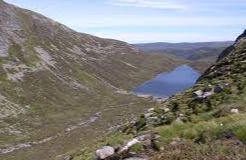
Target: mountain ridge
point(187, 50)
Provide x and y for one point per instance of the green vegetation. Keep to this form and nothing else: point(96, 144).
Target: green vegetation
point(214, 150)
point(205, 131)
point(16, 53)
point(3, 76)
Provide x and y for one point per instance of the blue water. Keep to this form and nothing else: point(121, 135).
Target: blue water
point(169, 83)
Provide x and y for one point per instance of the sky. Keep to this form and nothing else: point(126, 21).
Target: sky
point(143, 21)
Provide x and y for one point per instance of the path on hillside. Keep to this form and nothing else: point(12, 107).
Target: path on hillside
point(92, 119)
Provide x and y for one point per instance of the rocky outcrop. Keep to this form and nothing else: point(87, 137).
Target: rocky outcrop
point(230, 49)
point(147, 141)
point(231, 60)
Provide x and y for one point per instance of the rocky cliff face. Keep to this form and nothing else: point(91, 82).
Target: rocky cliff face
point(55, 80)
point(230, 61)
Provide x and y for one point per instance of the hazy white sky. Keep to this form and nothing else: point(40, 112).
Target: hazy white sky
point(138, 21)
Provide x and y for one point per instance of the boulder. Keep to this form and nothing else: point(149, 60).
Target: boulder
point(128, 145)
point(64, 157)
point(166, 110)
point(151, 110)
point(179, 120)
point(105, 152)
point(147, 139)
point(236, 111)
point(147, 115)
point(181, 115)
point(198, 93)
point(68, 157)
point(227, 85)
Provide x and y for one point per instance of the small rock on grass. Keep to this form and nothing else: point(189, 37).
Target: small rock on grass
point(105, 152)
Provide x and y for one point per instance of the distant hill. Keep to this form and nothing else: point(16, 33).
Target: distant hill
point(189, 51)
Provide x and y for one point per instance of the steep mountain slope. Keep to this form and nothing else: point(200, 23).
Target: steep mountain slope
point(205, 122)
point(58, 86)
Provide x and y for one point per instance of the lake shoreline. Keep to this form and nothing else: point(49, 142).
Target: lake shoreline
point(167, 84)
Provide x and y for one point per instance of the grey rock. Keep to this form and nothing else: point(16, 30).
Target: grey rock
point(146, 139)
point(147, 115)
point(64, 157)
point(198, 93)
point(105, 152)
point(151, 110)
point(165, 109)
point(179, 120)
point(68, 157)
point(201, 95)
point(235, 111)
